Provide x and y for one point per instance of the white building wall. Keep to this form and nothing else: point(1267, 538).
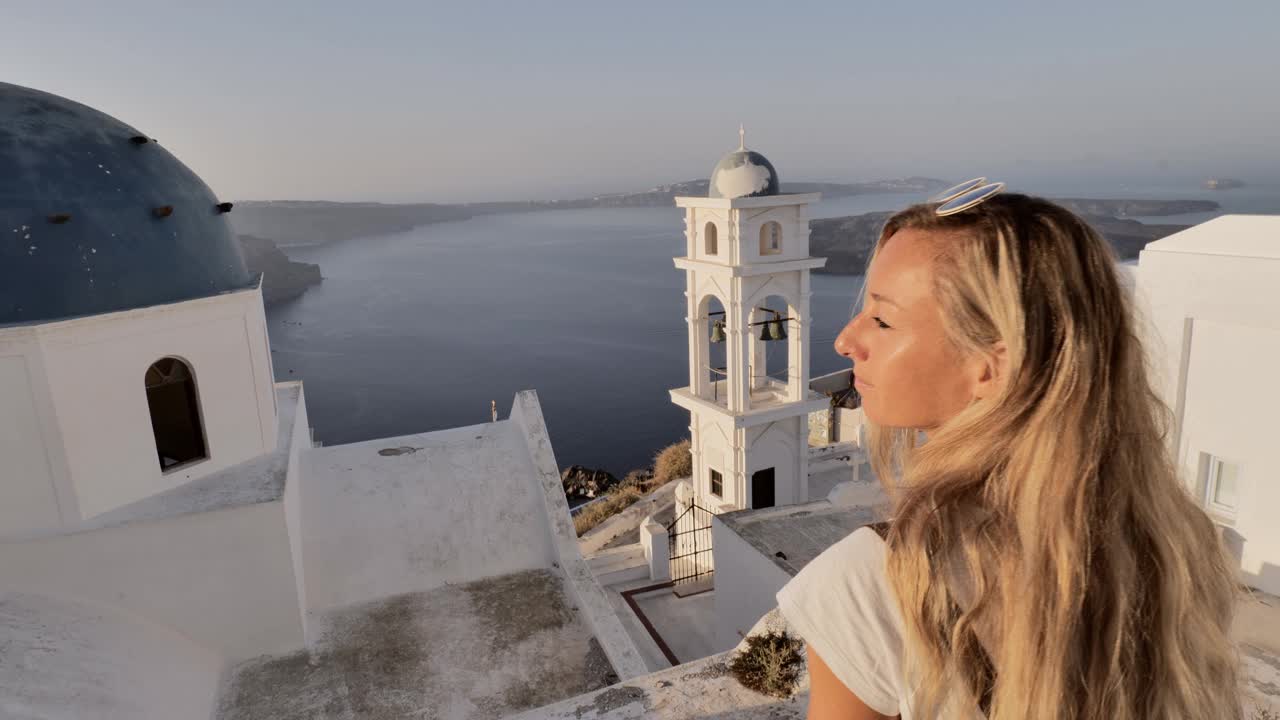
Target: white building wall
point(28, 493)
point(795, 232)
point(292, 499)
point(1231, 393)
point(223, 578)
point(88, 396)
point(698, 223)
point(746, 582)
point(714, 444)
point(457, 505)
point(775, 446)
point(1214, 334)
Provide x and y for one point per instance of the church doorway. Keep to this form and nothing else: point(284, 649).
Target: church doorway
point(762, 489)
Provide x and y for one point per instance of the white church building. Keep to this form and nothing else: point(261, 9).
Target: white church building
point(174, 545)
point(1211, 294)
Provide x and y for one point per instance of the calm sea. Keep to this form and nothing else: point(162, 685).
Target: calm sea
point(421, 330)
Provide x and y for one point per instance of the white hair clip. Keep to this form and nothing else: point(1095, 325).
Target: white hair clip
point(965, 195)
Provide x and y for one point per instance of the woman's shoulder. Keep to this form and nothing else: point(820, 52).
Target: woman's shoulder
point(840, 603)
point(881, 529)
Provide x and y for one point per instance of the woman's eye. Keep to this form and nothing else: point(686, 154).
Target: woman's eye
point(880, 323)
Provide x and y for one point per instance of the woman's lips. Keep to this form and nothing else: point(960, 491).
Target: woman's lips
point(860, 383)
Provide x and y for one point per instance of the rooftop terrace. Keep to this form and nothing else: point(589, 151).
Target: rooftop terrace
point(793, 535)
point(483, 649)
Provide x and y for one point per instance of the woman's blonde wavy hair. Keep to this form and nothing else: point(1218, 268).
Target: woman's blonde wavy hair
point(1102, 589)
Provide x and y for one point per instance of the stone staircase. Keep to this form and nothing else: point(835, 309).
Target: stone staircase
point(619, 565)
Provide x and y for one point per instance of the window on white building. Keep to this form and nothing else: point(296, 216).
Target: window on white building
point(770, 238)
point(175, 413)
point(710, 234)
point(717, 484)
point(1219, 486)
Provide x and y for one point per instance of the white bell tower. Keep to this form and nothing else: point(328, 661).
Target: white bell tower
point(748, 253)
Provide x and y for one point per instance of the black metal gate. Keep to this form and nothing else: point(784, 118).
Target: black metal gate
point(689, 545)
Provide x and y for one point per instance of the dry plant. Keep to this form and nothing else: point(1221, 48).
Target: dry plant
point(615, 501)
point(672, 463)
point(770, 664)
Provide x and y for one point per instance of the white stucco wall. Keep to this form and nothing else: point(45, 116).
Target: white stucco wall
point(849, 426)
point(293, 495)
point(778, 445)
point(411, 513)
point(28, 484)
point(63, 660)
point(85, 395)
point(1210, 295)
point(746, 582)
point(1231, 396)
point(223, 578)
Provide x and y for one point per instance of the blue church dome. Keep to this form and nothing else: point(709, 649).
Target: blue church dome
point(97, 217)
point(743, 173)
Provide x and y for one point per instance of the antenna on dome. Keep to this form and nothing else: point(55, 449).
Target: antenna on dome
point(742, 137)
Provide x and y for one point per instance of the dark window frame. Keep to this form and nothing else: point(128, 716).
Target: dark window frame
point(159, 381)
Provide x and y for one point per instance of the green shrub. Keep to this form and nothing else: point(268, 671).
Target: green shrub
point(770, 664)
point(671, 463)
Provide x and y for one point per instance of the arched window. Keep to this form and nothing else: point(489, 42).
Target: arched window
point(175, 413)
point(709, 232)
point(770, 238)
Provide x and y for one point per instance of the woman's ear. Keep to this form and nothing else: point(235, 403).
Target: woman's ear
point(991, 372)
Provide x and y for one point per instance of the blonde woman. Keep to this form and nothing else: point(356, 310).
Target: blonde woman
point(1041, 558)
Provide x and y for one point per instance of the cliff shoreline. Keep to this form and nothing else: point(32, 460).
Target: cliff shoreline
point(282, 279)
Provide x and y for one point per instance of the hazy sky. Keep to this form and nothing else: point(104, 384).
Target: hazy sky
point(477, 100)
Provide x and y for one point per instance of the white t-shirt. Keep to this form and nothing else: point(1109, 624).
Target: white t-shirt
point(843, 606)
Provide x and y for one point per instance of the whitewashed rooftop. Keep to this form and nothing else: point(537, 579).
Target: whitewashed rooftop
point(792, 535)
point(1236, 235)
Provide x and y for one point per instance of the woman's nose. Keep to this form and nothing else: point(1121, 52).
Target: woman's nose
point(846, 342)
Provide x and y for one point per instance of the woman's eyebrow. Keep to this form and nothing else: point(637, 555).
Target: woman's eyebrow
point(882, 298)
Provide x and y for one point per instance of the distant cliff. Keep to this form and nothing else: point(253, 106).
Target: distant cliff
point(1137, 208)
point(283, 279)
point(664, 195)
point(306, 222)
point(299, 222)
point(847, 242)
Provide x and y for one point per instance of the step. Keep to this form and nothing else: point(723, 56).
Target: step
point(620, 564)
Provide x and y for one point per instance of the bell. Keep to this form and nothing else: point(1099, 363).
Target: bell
point(764, 332)
point(717, 332)
point(776, 329)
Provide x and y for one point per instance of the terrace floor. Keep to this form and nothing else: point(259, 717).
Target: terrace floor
point(484, 649)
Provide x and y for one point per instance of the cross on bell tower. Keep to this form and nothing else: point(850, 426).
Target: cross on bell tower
point(747, 268)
